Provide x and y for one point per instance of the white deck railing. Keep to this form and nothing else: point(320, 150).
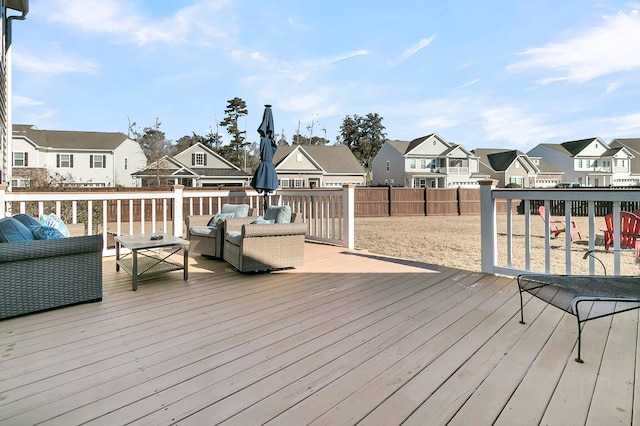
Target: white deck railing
point(328, 213)
point(488, 196)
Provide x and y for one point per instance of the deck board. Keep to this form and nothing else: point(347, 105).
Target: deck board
point(348, 338)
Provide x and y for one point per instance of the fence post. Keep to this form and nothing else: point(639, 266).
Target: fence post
point(178, 202)
point(3, 202)
point(348, 200)
point(488, 242)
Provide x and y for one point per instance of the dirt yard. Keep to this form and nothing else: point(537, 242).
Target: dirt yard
point(454, 241)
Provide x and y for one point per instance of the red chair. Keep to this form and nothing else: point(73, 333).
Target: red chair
point(557, 227)
point(629, 230)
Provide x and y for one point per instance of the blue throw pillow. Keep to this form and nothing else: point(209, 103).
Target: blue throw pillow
point(239, 210)
point(281, 214)
point(26, 220)
point(214, 220)
point(262, 221)
point(41, 232)
point(55, 222)
point(12, 231)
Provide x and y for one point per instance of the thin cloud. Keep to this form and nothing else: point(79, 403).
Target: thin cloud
point(117, 17)
point(611, 47)
point(409, 52)
point(471, 83)
point(53, 64)
point(19, 101)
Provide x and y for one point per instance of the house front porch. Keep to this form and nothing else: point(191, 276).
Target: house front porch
point(350, 337)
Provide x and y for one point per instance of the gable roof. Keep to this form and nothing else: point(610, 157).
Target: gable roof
point(497, 160)
point(417, 141)
point(65, 139)
point(199, 146)
point(333, 159)
point(575, 147)
point(170, 166)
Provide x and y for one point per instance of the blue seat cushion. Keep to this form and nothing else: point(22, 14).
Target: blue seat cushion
point(262, 221)
point(205, 231)
point(281, 214)
point(214, 220)
point(55, 222)
point(239, 210)
point(12, 231)
point(234, 237)
point(41, 232)
point(26, 220)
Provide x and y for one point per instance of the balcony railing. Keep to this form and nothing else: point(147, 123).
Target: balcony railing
point(327, 212)
point(488, 196)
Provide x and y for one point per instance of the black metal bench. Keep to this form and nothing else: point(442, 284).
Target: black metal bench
point(579, 294)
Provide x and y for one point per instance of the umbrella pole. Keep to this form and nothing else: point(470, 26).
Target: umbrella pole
point(265, 203)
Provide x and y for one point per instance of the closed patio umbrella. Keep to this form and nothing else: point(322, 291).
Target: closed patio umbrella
point(265, 178)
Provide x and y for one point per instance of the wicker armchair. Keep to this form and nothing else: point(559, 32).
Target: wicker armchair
point(253, 247)
point(208, 240)
point(45, 274)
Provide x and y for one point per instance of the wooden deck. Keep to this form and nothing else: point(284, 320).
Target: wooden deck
point(350, 338)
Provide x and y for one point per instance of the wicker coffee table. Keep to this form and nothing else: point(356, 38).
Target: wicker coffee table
point(146, 258)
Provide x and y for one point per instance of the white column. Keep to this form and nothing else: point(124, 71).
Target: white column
point(489, 243)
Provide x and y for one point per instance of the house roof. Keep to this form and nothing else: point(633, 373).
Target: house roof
point(401, 146)
point(575, 147)
point(64, 139)
point(497, 160)
point(333, 159)
point(633, 146)
point(170, 166)
point(417, 141)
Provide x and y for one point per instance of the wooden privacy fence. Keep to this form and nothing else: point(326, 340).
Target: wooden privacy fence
point(390, 201)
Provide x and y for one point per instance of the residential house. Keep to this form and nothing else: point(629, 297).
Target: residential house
point(548, 176)
point(509, 167)
point(633, 146)
point(428, 161)
point(310, 166)
point(74, 158)
point(589, 162)
point(196, 166)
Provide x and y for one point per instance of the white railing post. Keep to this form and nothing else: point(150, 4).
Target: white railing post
point(348, 199)
point(4, 212)
point(488, 236)
point(178, 197)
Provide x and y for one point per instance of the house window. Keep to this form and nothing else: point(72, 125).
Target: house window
point(20, 183)
point(20, 159)
point(595, 163)
point(97, 161)
point(298, 183)
point(423, 163)
point(126, 163)
point(199, 159)
point(284, 183)
point(579, 164)
point(64, 161)
point(388, 165)
point(518, 180)
point(412, 163)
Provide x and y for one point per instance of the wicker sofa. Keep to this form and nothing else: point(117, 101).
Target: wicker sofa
point(253, 247)
point(45, 274)
point(208, 240)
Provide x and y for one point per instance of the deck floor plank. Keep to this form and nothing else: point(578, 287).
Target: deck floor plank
point(350, 337)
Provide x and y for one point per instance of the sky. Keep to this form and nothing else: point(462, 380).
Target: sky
point(483, 74)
